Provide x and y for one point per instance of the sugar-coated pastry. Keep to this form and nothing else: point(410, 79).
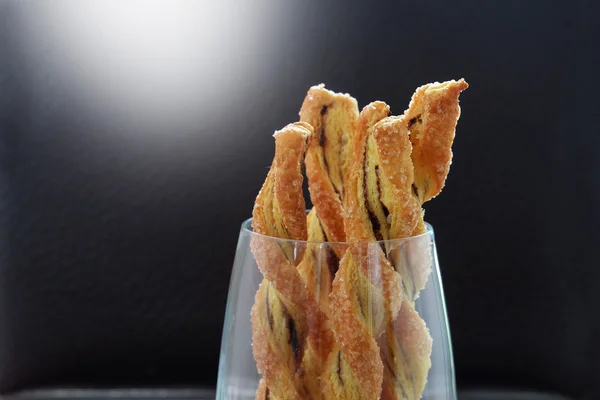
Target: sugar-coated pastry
point(333, 117)
point(335, 316)
point(430, 123)
point(284, 317)
point(432, 116)
point(366, 295)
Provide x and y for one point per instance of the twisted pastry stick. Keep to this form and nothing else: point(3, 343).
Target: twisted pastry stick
point(385, 210)
point(389, 209)
point(283, 316)
point(431, 122)
point(333, 117)
point(432, 118)
point(317, 269)
point(320, 262)
point(389, 148)
point(363, 299)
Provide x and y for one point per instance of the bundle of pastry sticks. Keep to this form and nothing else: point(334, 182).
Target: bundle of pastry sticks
point(369, 174)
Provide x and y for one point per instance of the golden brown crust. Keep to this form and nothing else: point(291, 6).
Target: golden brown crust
point(385, 208)
point(320, 263)
point(333, 117)
point(290, 145)
point(317, 268)
point(430, 121)
point(357, 223)
point(370, 115)
point(412, 260)
point(279, 332)
point(354, 369)
point(416, 341)
point(389, 150)
point(288, 326)
point(279, 209)
point(391, 143)
point(390, 171)
point(432, 117)
point(406, 355)
point(358, 282)
point(276, 212)
point(281, 316)
point(369, 175)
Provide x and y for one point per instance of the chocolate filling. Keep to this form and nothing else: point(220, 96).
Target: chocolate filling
point(333, 262)
point(339, 368)
point(331, 259)
point(267, 394)
point(293, 341)
point(322, 137)
point(372, 217)
point(386, 212)
point(269, 314)
point(415, 120)
point(415, 190)
point(322, 143)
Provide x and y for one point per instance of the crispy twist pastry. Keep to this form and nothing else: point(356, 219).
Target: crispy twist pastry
point(319, 265)
point(333, 117)
point(390, 141)
point(318, 268)
point(431, 122)
point(382, 197)
point(432, 117)
point(364, 299)
point(284, 317)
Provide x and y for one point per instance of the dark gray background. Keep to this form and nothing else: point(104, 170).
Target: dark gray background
point(134, 138)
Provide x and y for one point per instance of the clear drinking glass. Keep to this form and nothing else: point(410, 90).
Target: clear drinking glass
point(414, 259)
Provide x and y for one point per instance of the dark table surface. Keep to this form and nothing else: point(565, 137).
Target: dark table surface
point(206, 394)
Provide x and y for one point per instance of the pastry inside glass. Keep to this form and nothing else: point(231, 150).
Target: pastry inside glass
point(342, 323)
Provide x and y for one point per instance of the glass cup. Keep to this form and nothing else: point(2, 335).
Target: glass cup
point(387, 292)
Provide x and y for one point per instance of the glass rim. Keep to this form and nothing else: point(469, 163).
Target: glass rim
point(247, 228)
